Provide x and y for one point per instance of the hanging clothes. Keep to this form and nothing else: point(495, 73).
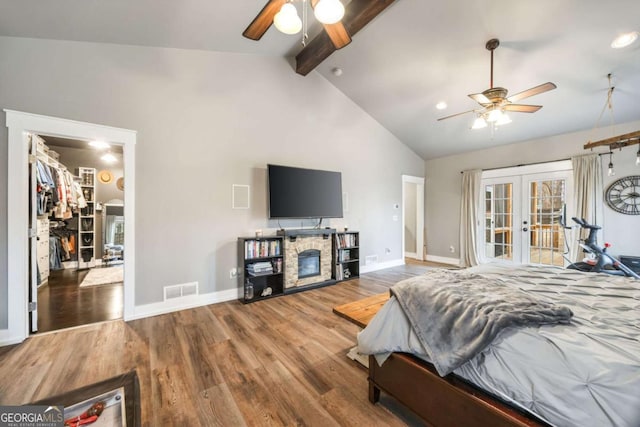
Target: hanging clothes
point(55, 262)
point(44, 188)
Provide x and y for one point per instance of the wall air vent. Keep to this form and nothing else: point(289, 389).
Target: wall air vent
point(180, 291)
point(371, 259)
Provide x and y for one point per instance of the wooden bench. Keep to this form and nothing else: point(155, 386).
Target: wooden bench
point(362, 311)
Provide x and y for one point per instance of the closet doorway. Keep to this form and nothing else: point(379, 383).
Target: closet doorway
point(21, 240)
point(413, 217)
point(78, 193)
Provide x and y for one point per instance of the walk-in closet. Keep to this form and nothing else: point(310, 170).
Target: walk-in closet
point(76, 205)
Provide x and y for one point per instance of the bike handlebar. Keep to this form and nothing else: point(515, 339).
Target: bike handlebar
point(584, 224)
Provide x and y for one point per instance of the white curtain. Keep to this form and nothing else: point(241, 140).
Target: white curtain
point(587, 199)
point(469, 213)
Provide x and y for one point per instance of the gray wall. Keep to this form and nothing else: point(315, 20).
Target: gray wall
point(74, 158)
point(205, 121)
point(443, 184)
point(410, 220)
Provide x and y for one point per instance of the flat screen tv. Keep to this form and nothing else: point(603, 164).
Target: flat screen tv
point(304, 193)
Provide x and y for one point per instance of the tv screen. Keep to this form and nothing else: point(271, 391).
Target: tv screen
point(304, 193)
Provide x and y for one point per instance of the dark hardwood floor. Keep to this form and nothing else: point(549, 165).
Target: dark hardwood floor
point(275, 362)
point(63, 304)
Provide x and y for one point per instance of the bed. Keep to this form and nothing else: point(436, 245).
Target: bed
point(582, 373)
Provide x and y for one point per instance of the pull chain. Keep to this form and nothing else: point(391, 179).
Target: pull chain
point(305, 35)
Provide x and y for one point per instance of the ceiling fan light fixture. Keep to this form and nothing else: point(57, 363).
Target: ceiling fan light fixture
point(624, 40)
point(287, 20)
point(479, 123)
point(329, 11)
point(494, 115)
point(503, 120)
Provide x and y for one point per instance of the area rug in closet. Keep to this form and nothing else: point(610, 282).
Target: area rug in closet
point(103, 276)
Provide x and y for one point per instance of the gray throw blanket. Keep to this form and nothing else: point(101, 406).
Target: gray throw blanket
point(456, 314)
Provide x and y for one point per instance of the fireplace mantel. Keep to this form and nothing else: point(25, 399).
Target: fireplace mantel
point(293, 233)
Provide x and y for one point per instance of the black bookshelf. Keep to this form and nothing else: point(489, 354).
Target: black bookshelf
point(346, 255)
point(257, 280)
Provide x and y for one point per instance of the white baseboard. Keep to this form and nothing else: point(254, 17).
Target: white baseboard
point(184, 303)
point(7, 339)
point(411, 255)
point(381, 265)
point(443, 260)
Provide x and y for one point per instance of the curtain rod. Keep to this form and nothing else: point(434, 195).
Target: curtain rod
point(524, 164)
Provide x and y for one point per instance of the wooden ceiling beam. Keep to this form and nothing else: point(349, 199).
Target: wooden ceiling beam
point(263, 20)
point(615, 142)
point(357, 15)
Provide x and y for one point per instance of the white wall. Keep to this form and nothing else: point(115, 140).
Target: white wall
point(443, 184)
point(205, 121)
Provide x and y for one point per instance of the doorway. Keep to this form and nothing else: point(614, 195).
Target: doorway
point(523, 210)
point(79, 223)
point(413, 217)
point(20, 125)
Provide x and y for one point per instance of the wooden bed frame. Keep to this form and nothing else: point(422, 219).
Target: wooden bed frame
point(441, 401)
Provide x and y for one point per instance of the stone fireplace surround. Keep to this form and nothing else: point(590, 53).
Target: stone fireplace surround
point(298, 241)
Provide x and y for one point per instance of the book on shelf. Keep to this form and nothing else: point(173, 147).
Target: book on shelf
point(261, 248)
point(260, 268)
point(346, 240)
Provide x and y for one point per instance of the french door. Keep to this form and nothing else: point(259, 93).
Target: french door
point(522, 215)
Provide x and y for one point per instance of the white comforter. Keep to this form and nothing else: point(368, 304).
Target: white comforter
point(586, 373)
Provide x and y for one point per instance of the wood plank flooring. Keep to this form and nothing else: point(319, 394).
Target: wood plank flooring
point(63, 304)
point(275, 362)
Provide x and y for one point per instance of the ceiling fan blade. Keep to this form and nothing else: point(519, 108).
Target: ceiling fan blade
point(338, 34)
point(533, 91)
point(480, 98)
point(263, 21)
point(522, 108)
point(454, 115)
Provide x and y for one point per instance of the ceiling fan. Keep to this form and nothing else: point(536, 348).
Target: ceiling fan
point(261, 23)
point(495, 103)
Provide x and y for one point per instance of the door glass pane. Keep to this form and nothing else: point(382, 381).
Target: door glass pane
point(498, 221)
point(546, 238)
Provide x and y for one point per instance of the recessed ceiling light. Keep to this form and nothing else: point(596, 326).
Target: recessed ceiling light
point(109, 158)
point(100, 145)
point(337, 71)
point(441, 105)
point(624, 40)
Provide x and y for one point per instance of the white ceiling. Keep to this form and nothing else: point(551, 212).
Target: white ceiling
point(412, 56)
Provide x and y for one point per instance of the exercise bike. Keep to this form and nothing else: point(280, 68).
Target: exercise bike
point(602, 261)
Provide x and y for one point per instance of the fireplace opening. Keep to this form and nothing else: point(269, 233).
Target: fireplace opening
point(308, 263)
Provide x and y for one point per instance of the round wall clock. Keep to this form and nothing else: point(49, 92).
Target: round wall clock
point(623, 195)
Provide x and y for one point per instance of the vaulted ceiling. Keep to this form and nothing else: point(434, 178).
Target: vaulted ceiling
point(415, 54)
